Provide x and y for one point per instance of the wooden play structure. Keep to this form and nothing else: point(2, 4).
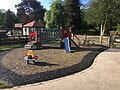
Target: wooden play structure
point(42, 35)
point(39, 35)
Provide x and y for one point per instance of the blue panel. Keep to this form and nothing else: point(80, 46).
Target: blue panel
point(26, 58)
point(67, 45)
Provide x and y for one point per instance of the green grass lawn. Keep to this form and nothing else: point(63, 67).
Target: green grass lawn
point(9, 47)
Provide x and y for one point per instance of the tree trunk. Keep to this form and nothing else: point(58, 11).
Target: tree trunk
point(101, 36)
point(102, 30)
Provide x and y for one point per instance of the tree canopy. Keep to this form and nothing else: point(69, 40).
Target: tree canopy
point(101, 11)
point(65, 13)
point(55, 17)
point(74, 15)
point(2, 15)
point(104, 13)
point(9, 20)
point(29, 10)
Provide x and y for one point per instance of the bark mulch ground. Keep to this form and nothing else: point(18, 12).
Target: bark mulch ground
point(52, 63)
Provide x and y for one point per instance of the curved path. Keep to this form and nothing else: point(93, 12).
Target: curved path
point(104, 74)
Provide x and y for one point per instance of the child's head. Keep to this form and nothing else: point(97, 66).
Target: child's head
point(30, 50)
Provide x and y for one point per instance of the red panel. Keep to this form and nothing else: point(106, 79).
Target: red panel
point(33, 36)
point(65, 33)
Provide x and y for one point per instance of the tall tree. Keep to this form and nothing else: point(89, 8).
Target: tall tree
point(55, 17)
point(29, 10)
point(74, 16)
point(9, 20)
point(47, 19)
point(104, 13)
point(2, 15)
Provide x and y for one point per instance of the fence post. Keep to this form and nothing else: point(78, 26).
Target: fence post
point(40, 37)
point(18, 38)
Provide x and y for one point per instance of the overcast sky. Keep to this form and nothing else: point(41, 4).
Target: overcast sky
point(10, 4)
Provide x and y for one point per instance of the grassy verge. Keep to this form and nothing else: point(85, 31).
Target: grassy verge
point(3, 85)
point(9, 47)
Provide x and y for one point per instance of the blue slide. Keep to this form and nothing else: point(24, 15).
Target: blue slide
point(67, 45)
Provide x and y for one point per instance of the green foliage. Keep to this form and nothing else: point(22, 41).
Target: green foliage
point(84, 22)
point(55, 17)
point(29, 10)
point(118, 27)
point(47, 19)
point(2, 15)
point(9, 47)
point(3, 85)
point(104, 12)
point(9, 20)
point(89, 32)
point(74, 15)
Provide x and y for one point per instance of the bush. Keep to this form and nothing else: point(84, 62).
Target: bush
point(3, 85)
point(89, 32)
point(118, 27)
point(1, 28)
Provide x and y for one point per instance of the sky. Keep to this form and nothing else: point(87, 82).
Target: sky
point(10, 4)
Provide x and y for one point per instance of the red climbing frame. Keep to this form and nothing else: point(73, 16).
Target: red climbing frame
point(65, 33)
point(33, 36)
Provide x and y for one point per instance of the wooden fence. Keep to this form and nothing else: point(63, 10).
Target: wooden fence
point(14, 39)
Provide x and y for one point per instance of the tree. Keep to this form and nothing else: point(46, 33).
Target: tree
point(55, 17)
point(104, 13)
point(29, 10)
point(2, 15)
point(47, 19)
point(74, 16)
point(9, 20)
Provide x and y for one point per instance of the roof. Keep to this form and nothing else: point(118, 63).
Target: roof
point(18, 25)
point(34, 24)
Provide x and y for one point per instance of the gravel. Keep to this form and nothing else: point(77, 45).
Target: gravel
point(52, 63)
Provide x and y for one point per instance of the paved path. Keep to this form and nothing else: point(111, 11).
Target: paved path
point(104, 74)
